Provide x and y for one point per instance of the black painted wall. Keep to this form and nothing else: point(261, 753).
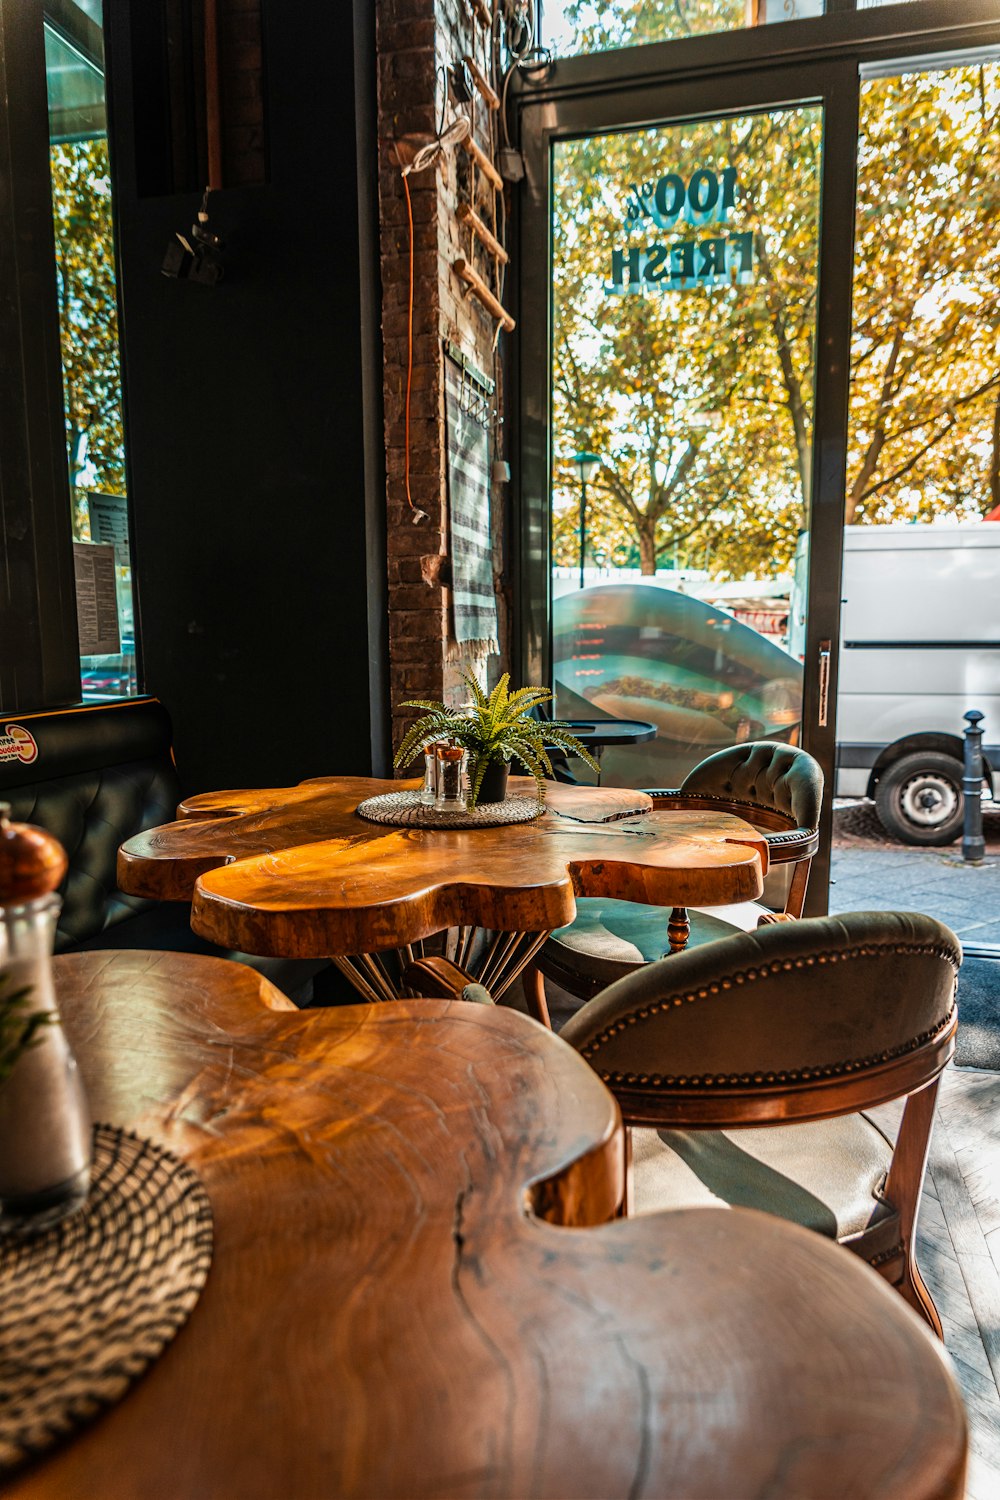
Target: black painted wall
point(253, 425)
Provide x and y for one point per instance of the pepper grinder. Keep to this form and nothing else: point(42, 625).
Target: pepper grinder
point(45, 1131)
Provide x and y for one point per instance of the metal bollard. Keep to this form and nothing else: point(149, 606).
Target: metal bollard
point(973, 842)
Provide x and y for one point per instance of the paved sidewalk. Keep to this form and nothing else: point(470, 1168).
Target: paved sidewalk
point(872, 873)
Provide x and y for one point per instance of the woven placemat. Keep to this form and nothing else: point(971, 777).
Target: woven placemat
point(87, 1305)
point(405, 809)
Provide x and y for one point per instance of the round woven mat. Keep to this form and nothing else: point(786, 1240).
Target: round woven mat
point(405, 809)
point(86, 1305)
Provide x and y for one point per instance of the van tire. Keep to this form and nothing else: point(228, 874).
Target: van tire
point(919, 798)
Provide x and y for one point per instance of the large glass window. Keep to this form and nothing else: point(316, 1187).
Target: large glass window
point(88, 323)
point(572, 26)
point(684, 302)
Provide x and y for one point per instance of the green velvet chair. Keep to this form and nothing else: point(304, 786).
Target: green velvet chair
point(775, 787)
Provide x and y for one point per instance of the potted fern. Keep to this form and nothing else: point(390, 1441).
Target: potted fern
point(495, 730)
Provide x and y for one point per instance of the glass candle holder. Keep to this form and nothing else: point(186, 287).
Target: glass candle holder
point(428, 792)
point(450, 779)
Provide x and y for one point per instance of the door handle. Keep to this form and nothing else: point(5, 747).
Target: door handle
point(824, 683)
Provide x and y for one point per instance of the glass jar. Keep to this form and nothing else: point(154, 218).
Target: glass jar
point(451, 779)
point(428, 792)
point(45, 1130)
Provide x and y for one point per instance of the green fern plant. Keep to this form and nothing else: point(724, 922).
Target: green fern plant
point(19, 1026)
point(499, 727)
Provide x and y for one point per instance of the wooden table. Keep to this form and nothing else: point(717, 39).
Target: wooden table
point(397, 1308)
point(296, 872)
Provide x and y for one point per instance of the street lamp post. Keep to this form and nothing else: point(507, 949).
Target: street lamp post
point(587, 465)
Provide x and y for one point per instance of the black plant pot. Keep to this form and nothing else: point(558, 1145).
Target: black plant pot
point(494, 783)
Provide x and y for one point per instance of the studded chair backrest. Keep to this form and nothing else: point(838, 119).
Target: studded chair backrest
point(799, 1020)
point(766, 773)
point(92, 777)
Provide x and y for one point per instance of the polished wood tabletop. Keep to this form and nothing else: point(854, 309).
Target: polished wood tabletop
point(414, 1291)
point(295, 871)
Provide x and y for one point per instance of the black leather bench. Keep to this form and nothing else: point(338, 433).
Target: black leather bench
point(93, 777)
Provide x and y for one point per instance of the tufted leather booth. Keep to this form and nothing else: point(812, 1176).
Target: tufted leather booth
point(775, 787)
point(94, 776)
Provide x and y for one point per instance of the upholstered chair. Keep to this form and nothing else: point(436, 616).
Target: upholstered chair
point(776, 788)
point(799, 1025)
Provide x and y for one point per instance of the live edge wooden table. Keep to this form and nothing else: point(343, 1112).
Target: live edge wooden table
point(295, 872)
point(415, 1291)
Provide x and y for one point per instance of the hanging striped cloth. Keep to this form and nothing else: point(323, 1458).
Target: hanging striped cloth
point(473, 598)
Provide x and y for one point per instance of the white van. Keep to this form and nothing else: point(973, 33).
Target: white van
point(920, 646)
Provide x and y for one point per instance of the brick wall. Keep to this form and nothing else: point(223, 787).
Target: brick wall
point(417, 38)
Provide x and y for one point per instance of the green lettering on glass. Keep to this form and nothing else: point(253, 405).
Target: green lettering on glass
point(728, 189)
point(669, 197)
point(703, 192)
point(656, 257)
point(713, 259)
point(682, 262)
point(739, 249)
point(618, 266)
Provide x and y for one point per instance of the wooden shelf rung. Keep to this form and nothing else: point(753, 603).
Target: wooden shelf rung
point(468, 215)
point(483, 162)
point(482, 13)
point(478, 288)
point(488, 94)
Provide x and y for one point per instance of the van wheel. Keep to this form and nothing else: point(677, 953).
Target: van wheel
point(919, 798)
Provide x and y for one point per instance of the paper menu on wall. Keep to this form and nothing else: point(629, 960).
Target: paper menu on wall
point(96, 599)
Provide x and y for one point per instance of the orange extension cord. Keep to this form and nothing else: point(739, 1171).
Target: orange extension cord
point(418, 515)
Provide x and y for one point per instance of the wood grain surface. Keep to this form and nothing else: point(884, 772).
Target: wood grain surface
point(388, 1316)
point(296, 872)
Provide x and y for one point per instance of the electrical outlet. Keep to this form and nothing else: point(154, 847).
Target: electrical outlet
point(511, 165)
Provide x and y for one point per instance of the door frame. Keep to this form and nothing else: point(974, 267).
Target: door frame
point(702, 78)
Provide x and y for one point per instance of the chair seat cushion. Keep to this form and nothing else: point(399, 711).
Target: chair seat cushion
point(167, 927)
point(825, 1175)
point(610, 939)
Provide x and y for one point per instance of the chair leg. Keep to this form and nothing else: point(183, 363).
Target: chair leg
point(627, 1207)
point(904, 1188)
point(534, 994)
point(913, 1289)
point(678, 929)
point(797, 887)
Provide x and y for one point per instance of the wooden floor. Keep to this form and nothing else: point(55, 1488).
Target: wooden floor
point(959, 1252)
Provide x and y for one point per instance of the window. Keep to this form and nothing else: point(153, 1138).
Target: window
point(575, 26)
point(88, 330)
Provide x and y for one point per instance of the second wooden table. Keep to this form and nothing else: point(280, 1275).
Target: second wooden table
point(295, 872)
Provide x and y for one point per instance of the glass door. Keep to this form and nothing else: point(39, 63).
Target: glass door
point(920, 627)
point(684, 276)
point(671, 568)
